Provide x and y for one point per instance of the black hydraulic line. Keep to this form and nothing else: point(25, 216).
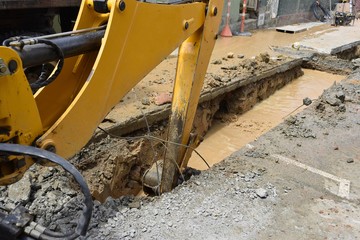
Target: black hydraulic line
point(43, 78)
point(84, 220)
point(35, 55)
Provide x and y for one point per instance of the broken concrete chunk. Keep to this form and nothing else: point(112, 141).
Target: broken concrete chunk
point(332, 100)
point(261, 193)
point(163, 98)
point(19, 192)
point(341, 96)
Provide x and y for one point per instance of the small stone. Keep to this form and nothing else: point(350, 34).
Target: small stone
point(350, 160)
point(230, 55)
point(163, 98)
point(332, 99)
point(307, 101)
point(226, 79)
point(135, 204)
point(145, 101)
point(132, 234)
point(261, 193)
point(217, 62)
point(217, 77)
point(240, 56)
point(342, 108)
point(341, 96)
point(320, 107)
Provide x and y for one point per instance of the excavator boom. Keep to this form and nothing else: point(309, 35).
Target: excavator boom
point(115, 44)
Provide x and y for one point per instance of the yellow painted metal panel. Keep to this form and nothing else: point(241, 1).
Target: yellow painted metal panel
point(194, 57)
point(136, 40)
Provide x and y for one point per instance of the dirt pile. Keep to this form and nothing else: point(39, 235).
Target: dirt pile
point(228, 69)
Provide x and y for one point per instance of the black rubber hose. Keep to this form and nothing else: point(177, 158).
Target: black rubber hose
point(84, 221)
point(41, 82)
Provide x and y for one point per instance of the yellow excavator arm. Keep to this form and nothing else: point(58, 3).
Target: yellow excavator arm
point(115, 43)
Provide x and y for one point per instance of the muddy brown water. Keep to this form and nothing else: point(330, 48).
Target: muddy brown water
point(226, 138)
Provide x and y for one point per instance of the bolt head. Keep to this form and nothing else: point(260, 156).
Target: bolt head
point(122, 5)
point(3, 68)
point(214, 11)
point(186, 25)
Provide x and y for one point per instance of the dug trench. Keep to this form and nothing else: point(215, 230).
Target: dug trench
point(114, 166)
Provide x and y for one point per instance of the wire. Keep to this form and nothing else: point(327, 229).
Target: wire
point(158, 139)
point(44, 78)
point(152, 146)
point(84, 220)
point(304, 104)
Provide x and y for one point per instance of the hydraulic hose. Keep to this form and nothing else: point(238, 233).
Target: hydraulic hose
point(84, 220)
point(44, 78)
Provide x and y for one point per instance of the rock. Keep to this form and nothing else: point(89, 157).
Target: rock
point(342, 108)
point(163, 98)
point(341, 96)
point(145, 101)
point(212, 83)
point(19, 192)
point(217, 77)
point(356, 62)
point(240, 56)
point(230, 55)
point(217, 62)
point(135, 204)
point(263, 57)
point(261, 193)
point(320, 107)
point(332, 99)
point(226, 79)
point(132, 234)
point(307, 101)
point(350, 160)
